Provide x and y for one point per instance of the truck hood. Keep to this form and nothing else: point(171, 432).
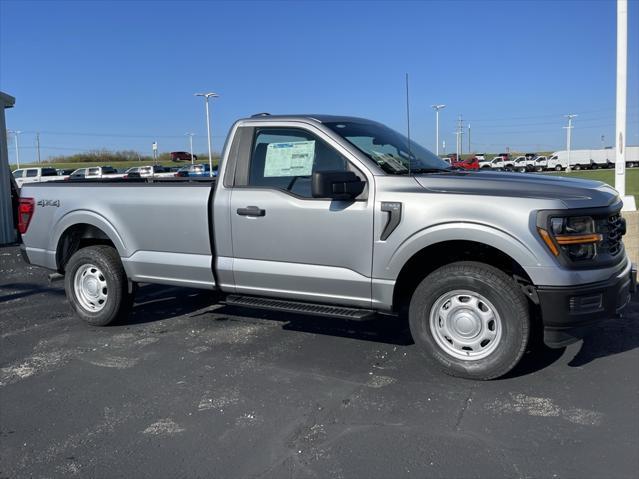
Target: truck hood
point(574, 193)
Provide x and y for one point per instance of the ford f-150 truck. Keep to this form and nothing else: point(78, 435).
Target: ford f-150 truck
point(344, 217)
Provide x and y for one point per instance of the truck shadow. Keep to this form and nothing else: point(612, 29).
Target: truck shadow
point(379, 329)
point(24, 290)
point(155, 303)
point(614, 337)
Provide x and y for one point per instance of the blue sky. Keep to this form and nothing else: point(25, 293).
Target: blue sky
point(120, 74)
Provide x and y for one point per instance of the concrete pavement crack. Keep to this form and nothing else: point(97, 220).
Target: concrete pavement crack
point(467, 403)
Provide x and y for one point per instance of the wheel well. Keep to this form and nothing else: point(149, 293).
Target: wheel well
point(76, 237)
point(434, 256)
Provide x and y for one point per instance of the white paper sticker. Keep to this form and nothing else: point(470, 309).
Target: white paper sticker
point(289, 159)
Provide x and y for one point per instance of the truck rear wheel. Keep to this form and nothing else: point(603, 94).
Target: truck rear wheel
point(96, 285)
point(471, 320)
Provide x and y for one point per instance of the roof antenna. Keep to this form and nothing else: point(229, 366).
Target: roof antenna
point(408, 125)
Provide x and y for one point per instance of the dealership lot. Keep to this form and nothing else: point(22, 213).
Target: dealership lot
point(189, 388)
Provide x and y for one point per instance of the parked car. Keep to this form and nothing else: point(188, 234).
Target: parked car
point(148, 171)
point(497, 163)
point(540, 163)
point(195, 170)
point(35, 175)
point(344, 217)
point(182, 156)
point(520, 164)
point(95, 172)
point(467, 164)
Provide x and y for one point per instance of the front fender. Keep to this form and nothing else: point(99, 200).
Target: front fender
point(529, 255)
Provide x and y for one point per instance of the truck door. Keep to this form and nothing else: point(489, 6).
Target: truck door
point(287, 243)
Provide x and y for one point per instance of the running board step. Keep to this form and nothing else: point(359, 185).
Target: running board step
point(314, 309)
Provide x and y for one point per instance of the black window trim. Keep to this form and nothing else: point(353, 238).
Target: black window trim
point(241, 172)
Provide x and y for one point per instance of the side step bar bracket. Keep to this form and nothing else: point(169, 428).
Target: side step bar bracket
point(299, 307)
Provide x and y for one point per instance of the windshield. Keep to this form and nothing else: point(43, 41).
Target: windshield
point(389, 149)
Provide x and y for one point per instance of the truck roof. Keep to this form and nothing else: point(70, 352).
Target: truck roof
point(320, 118)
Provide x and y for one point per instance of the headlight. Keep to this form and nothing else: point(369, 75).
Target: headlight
point(575, 236)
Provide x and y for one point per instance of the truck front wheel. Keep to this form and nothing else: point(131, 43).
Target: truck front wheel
point(96, 285)
point(471, 320)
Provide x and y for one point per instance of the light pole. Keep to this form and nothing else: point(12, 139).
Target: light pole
point(437, 108)
point(208, 125)
point(15, 136)
point(191, 135)
point(620, 117)
point(568, 139)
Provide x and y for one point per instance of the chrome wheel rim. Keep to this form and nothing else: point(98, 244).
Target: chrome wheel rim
point(465, 325)
point(90, 288)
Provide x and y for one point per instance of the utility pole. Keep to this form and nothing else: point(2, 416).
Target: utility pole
point(469, 150)
point(208, 125)
point(568, 138)
point(444, 146)
point(191, 135)
point(603, 144)
point(437, 108)
point(38, 145)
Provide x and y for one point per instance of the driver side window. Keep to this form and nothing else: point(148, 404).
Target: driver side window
point(286, 158)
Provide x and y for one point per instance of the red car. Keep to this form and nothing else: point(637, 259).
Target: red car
point(467, 164)
point(182, 156)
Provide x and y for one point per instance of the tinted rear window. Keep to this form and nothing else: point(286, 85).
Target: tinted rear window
point(49, 172)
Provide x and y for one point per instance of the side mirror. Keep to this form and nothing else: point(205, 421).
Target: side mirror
point(337, 185)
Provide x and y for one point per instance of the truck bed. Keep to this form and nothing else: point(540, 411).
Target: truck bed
point(160, 227)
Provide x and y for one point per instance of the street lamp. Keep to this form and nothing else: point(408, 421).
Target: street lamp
point(191, 135)
point(437, 108)
point(568, 138)
point(15, 135)
point(208, 125)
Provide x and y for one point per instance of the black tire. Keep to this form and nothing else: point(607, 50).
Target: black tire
point(538, 169)
point(498, 289)
point(577, 167)
point(558, 168)
point(107, 268)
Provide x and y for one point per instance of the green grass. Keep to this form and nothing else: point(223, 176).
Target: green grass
point(608, 176)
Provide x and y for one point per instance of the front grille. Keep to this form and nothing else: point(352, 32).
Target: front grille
point(613, 229)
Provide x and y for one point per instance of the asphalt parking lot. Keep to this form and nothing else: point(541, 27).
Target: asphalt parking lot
point(189, 388)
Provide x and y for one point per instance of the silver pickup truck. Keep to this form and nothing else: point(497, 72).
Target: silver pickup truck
point(344, 217)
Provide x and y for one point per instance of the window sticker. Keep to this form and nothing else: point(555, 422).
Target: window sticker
point(289, 159)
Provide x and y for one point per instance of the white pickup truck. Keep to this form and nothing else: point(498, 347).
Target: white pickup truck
point(95, 172)
point(35, 175)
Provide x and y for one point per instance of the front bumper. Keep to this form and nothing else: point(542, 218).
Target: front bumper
point(569, 313)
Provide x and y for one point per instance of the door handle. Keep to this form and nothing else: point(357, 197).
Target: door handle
point(251, 211)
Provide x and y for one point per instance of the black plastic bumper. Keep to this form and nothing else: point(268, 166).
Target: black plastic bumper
point(569, 313)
